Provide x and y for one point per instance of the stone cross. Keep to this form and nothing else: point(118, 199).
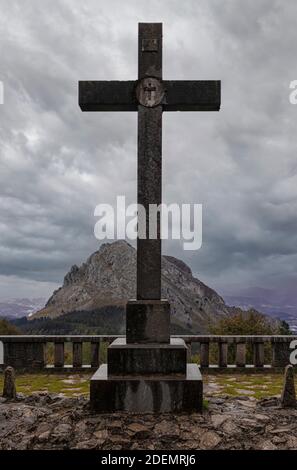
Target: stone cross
point(150, 95)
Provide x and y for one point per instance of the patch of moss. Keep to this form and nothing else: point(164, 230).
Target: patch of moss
point(205, 405)
point(262, 385)
point(52, 383)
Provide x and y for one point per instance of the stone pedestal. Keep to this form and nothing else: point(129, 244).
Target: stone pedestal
point(147, 372)
point(148, 321)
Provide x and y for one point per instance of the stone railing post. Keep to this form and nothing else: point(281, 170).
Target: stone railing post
point(77, 354)
point(258, 350)
point(223, 354)
point(204, 354)
point(189, 352)
point(95, 354)
point(240, 358)
point(59, 354)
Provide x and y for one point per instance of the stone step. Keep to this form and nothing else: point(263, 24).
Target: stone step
point(147, 394)
point(146, 359)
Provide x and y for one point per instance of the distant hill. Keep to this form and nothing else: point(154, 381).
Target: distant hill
point(17, 308)
point(278, 303)
point(107, 280)
point(106, 320)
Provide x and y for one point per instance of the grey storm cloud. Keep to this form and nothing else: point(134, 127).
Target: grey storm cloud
point(58, 163)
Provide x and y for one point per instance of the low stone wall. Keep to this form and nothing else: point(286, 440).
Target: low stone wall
point(28, 352)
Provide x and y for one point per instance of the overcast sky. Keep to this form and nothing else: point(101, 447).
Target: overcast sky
point(58, 163)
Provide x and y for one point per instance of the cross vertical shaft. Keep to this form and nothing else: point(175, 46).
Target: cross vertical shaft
point(149, 171)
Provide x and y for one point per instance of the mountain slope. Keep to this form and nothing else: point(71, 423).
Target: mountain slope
point(108, 278)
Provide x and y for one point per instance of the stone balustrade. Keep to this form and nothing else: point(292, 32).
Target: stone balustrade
point(212, 352)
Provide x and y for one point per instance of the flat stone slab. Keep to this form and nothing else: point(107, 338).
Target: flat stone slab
point(147, 394)
point(148, 321)
point(146, 359)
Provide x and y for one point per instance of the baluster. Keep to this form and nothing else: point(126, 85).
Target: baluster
point(204, 354)
point(59, 354)
point(95, 354)
point(77, 354)
point(240, 355)
point(223, 354)
point(258, 354)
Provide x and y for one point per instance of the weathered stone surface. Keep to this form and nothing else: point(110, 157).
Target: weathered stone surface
point(240, 354)
point(138, 430)
point(258, 354)
point(9, 390)
point(288, 397)
point(133, 359)
point(192, 95)
point(223, 354)
point(149, 191)
point(204, 354)
point(210, 440)
point(267, 445)
point(218, 420)
point(146, 394)
point(59, 356)
point(107, 96)
point(148, 321)
point(22, 355)
point(67, 423)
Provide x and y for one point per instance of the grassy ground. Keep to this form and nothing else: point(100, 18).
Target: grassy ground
point(255, 385)
point(69, 385)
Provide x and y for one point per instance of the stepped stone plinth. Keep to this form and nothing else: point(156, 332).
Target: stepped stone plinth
point(147, 377)
point(132, 359)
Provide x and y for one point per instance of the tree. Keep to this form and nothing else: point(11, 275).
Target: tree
point(7, 328)
point(250, 322)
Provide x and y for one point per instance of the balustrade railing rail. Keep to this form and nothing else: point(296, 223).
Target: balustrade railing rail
point(80, 352)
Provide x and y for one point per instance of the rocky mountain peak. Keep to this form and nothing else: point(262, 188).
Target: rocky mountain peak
point(108, 277)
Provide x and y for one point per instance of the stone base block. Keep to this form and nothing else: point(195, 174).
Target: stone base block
point(145, 359)
point(148, 321)
point(147, 394)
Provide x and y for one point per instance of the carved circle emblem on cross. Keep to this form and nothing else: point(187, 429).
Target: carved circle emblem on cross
point(149, 92)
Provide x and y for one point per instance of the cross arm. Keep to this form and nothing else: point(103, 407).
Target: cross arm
point(107, 96)
point(192, 95)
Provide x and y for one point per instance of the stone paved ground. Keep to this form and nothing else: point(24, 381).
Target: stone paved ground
point(52, 421)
